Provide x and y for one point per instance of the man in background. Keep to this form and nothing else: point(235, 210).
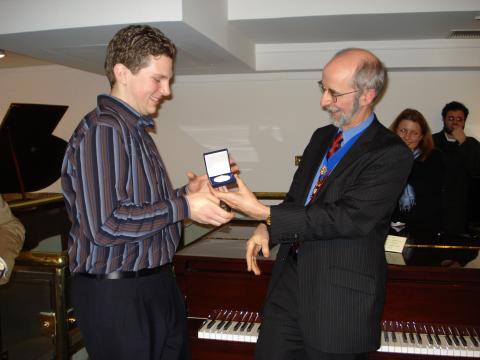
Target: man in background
point(326, 294)
point(12, 235)
point(461, 154)
point(126, 217)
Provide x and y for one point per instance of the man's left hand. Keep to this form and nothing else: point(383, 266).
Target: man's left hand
point(197, 183)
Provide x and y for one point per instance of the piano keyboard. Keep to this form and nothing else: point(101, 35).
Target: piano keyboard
point(396, 337)
point(230, 325)
point(429, 339)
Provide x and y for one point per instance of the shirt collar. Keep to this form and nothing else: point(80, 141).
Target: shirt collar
point(350, 133)
point(449, 139)
point(143, 121)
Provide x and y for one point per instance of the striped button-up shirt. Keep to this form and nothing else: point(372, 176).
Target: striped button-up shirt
point(125, 215)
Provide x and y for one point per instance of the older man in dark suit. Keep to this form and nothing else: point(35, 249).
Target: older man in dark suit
point(326, 295)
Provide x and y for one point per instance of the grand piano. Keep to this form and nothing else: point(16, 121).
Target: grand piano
point(35, 317)
point(432, 305)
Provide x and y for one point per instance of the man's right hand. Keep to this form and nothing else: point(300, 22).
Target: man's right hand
point(258, 241)
point(205, 209)
point(459, 134)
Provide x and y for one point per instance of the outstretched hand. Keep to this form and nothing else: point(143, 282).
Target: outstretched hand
point(197, 183)
point(204, 208)
point(242, 200)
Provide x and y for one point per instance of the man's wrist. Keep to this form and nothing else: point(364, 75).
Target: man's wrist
point(268, 219)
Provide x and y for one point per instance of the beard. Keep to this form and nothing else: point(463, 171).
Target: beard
point(345, 118)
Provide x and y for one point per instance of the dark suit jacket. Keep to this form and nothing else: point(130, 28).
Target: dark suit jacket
point(341, 264)
point(462, 164)
point(426, 178)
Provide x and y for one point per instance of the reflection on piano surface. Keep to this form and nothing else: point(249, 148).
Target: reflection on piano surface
point(431, 310)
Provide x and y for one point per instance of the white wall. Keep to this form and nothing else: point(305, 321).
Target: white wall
point(264, 119)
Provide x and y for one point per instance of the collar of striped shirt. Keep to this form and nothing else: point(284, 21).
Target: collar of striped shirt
point(144, 121)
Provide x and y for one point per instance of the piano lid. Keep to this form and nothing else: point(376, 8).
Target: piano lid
point(30, 156)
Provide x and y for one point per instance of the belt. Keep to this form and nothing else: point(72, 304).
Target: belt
point(115, 275)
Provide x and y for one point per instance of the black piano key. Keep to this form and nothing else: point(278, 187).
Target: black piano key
point(449, 340)
point(210, 324)
point(474, 341)
point(453, 337)
point(227, 325)
point(473, 337)
point(455, 340)
point(385, 336)
point(220, 324)
point(394, 337)
point(241, 322)
point(417, 335)
point(244, 326)
point(250, 327)
point(429, 338)
point(460, 336)
point(412, 338)
point(437, 339)
point(419, 338)
point(404, 336)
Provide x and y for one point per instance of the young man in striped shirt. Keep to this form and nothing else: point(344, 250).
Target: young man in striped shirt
point(126, 217)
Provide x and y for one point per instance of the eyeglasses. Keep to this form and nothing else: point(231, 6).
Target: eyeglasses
point(405, 132)
point(456, 118)
point(332, 93)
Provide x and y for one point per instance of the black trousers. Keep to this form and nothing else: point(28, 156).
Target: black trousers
point(139, 318)
point(280, 336)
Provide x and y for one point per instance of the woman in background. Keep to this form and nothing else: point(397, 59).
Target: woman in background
point(419, 206)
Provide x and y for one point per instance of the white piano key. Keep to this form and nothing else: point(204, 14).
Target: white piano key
point(203, 330)
point(242, 331)
point(384, 342)
point(426, 347)
point(445, 348)
point(207, 329)
point(254, 332)
point(229, 332)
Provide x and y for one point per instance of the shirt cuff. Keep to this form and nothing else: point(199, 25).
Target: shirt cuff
point(180, 209)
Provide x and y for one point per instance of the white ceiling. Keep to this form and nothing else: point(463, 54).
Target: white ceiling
point(238, 36)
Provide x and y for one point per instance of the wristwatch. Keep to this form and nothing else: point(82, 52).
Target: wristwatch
point(268, 220)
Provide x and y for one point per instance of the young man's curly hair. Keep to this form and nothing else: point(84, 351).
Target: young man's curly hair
point(133, 45)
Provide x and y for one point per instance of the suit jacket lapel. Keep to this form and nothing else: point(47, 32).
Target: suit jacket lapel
point(364, 142)
point(319, 149)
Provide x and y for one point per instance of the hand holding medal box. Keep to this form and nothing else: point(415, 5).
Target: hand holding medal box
point(218, 168)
